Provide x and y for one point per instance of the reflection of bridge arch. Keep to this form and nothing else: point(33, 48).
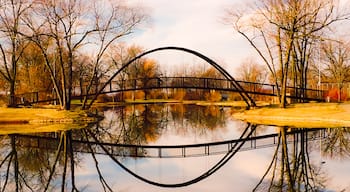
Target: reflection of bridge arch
point(249, 101)
point(233, 150)
point(167, 151)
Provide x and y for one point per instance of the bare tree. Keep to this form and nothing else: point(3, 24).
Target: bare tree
point(119, 22)
point(337, 61)
point(12, 43)
point(251, 71)
point(71, 25)
point(283, 32)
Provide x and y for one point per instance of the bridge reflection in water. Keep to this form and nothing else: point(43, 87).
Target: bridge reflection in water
point(88, 143)
point(168, 151)
point(54, 161)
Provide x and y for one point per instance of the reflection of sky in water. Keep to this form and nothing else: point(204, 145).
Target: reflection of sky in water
point(234, 175)
point(241, 173)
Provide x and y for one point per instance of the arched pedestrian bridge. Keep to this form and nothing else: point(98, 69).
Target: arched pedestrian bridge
point(116, 84)
point(189, 83)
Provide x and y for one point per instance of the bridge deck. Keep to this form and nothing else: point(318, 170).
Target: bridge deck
point(177, 83)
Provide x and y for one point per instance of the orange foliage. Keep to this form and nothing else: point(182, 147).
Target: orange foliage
point(179, 95)
point(134, 95)
point(213, 96)
point(32, 72)
point(333, 95)
point(139, 94)
point(212, 111)
point(156, 94)
point(149, 67)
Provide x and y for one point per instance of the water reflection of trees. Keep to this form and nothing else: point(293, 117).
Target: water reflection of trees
point(132, 124)
point(338, 144)
point(31, 166)
point(28, 164)
point(202, 118)
point(292, 168)
point(142, 124)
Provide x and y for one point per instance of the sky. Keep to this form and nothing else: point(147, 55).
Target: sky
point(195, 24)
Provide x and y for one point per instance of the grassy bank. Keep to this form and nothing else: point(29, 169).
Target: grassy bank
point(29, 120)
point(38, 115)
point(308, 115)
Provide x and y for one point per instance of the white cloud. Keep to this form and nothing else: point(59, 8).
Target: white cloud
point(195, 25)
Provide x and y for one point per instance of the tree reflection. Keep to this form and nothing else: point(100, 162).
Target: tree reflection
point(134, 124)
point(291, 168)
point(203, 118)
point(142, 124)
point(37, 166)
point(337, 146)
point(48, 161)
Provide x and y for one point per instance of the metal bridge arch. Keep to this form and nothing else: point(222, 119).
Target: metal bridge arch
point(249, 101)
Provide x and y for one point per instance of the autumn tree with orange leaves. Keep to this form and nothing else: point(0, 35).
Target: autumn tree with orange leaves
point(71, 26)
point(12, 42)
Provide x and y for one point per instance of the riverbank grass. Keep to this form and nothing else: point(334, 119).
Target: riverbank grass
point(37, 115)
point(308, 115)
point(35, 120)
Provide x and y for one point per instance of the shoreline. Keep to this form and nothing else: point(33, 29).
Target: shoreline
point(307, 115)
point(36, 120)
point(41, 116)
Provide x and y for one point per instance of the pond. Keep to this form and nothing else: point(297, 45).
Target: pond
point(175, 147)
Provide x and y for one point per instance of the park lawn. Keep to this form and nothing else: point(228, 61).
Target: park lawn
point(308, 115)
point(37, 115)
point(6, 129)
point(35, 120)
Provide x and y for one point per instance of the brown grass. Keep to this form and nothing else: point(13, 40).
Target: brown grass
point(36, 115)
point(29, 120)
point(300, 115)
point(6, 129)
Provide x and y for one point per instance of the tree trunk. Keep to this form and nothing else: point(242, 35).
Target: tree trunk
point(12, 98)
point(339, 93)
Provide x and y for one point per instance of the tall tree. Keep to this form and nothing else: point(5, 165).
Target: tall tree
point(337, 61)
point(251, 71)
point(73, 24)
point(12, 43)
point(32, 75)
point(283, 32)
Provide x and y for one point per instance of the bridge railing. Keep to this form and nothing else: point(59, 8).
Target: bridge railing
point(271, 89)
point(169, 82)
point(34, 97)
point(181, 83)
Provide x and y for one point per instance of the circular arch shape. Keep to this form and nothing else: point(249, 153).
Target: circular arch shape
point(248, 100)
point(225, 159)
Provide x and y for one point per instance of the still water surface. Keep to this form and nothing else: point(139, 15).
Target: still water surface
point(193, 149)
